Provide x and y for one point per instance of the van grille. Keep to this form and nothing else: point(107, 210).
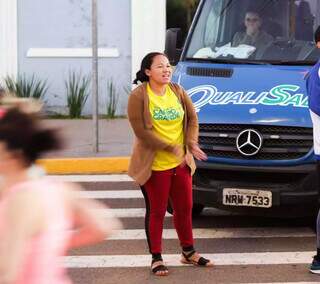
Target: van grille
point(279, 142)
point(209, 72)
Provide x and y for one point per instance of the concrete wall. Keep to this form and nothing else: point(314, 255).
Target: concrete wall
point(8, 37)
point(46, 26)
point(148, 29)
point(50, 38)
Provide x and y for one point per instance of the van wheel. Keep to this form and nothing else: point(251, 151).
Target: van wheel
point(313, 222)
point(196, 209)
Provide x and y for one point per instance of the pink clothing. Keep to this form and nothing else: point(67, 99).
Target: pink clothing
point(42, 262)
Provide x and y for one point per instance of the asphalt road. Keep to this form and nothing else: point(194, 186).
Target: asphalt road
point(245, 249)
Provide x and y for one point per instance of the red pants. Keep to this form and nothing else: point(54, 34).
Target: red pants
point(175, 184)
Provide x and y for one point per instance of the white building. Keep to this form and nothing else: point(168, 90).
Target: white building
point(50, 38)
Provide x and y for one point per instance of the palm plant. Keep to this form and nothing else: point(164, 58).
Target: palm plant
point(112, 99)
point(26, 87)
point(77, 93)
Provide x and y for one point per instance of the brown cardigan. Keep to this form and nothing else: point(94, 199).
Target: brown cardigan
point(146, 141)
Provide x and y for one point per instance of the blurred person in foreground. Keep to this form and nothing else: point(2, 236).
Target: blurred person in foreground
point(2, 92)
point(40, 218)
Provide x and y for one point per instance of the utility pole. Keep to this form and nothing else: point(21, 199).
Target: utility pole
point(95, 104)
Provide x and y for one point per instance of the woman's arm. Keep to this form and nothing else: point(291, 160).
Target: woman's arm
point(136, 119)
point(192, 129)
point(89, 225)
point(192, 123)
point(23, 219)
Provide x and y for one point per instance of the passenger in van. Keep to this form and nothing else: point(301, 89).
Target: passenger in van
point(253, 35)
point(313, 90)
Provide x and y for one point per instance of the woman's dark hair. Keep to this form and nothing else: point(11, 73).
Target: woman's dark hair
point(146, 64)
point(317, 35)
point(22, 132)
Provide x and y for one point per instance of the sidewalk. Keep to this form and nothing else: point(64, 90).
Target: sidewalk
point(77, 157)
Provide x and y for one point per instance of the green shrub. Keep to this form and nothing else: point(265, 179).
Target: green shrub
point(77, 93)
point(26, 87)
point(112, 99)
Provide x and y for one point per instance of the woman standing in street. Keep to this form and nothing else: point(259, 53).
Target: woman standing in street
point(165, 125)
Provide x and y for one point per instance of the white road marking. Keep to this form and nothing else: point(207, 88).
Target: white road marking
point(137, 194)
point(92, 178)
point(173, 260)
point(124, 213)
point(140, 212)
point(282, 283)
point(221, 233)
point(111, 194)
point(264, 258)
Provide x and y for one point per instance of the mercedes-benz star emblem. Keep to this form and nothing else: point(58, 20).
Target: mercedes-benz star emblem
point(249, 142)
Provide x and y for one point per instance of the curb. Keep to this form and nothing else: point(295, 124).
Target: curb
point(63, 166)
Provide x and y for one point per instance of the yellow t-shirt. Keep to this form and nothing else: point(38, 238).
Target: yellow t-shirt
point(167, 117)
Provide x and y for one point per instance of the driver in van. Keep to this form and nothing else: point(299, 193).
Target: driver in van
point(253, 35)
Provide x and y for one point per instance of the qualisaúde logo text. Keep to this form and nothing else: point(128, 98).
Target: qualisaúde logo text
point(281, 95)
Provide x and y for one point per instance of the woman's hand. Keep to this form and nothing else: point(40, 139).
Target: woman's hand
point(197, 152)
point(178, 152)
point(90, 225)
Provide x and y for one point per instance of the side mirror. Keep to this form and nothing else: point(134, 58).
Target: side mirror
point(171, 47)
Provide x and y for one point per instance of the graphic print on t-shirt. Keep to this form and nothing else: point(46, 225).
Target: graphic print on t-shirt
point(167, 119)
point(165, 114)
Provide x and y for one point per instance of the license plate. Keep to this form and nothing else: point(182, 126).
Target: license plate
point(247, 197)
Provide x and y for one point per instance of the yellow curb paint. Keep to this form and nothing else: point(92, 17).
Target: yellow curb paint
point(112, 165)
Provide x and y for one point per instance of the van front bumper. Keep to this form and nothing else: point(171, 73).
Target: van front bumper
point(291, 187)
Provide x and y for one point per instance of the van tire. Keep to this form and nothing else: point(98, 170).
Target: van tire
point(197, 209)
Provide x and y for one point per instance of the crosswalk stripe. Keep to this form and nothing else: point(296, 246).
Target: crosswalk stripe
point(221, 233)
point(282, 283)
point(110, 194)
point(265, 258)
point(92, 178)
point(124, 213)
point(140, 212)
point(125, 261)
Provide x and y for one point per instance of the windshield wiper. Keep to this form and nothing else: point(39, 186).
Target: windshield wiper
point(292, 62)
point(253, 62)
point(229, 60)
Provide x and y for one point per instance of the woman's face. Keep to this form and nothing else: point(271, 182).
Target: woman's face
point(160, 70)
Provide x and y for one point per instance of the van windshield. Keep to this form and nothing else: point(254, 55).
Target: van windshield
point(261, 31)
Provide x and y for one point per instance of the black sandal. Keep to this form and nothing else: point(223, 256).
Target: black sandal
point(159, 268)
point(201, 261)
